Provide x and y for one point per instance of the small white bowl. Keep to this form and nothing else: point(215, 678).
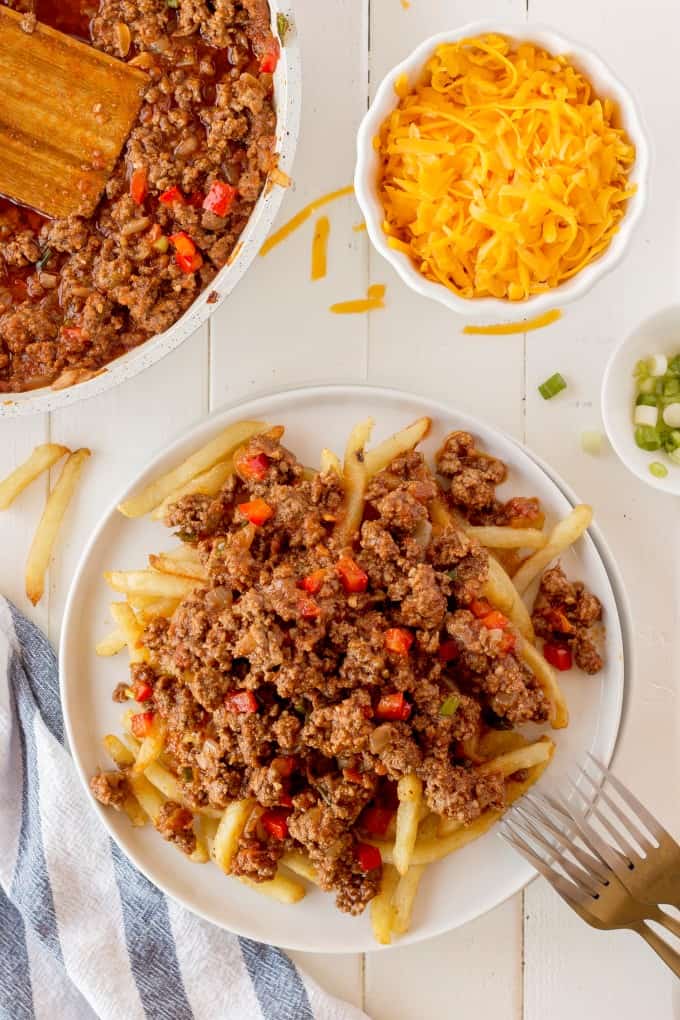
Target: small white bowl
point(658, 335)
point(367, 167)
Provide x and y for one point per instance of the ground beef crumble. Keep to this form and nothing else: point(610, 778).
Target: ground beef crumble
point(76, 293)
point(566, 613)
point(278, 682)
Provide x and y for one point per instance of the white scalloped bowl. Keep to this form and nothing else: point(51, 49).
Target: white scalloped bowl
point(367, 168)
point(288, 102)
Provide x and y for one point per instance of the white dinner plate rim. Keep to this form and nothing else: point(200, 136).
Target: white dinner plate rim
point(525, 873)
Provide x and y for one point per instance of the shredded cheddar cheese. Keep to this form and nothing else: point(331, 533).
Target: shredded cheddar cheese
point(320, 248)
point(358, 228)
point(287, 229)
point(507, 328)
point(373, 300)
point(502, 173)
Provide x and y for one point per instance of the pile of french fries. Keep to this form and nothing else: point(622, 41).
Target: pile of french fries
point(42, 459)
point(417, 836)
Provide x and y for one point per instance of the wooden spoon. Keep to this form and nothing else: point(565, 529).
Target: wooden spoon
point(65, 112)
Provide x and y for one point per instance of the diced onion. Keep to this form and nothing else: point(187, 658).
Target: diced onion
point(671, 416)
point(657, 364)
point(645, 415)
point(591, 442)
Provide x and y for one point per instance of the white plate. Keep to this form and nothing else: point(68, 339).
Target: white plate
point(453, 891)
point(288, 103)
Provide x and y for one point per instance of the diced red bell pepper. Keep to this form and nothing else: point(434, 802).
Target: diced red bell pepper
point(398, 640)
point(478, 607)
point(257, 511)
point(141, 724)
point(352, 775)
point(172, 194)
point(309, 610)
point(189, 263)
point(393, 706)
point(285, 765)
point(285, 800)
point(313, 582)
point(368, 857)
point(558, 656)
point(495, 620)
point(353, 578)
point(254, 468)
point(275, 822)
point(241, 702)
point(507, 643)
point(139, 185)
point(376, 820)
point(448, 650)
point(270, 57)
point(186, 256)
point(141, 691)
point(195, 199)
point(75, 333)
point(220, 198)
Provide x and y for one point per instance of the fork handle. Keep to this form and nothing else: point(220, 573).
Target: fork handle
point(671, 924)
point(669, 956)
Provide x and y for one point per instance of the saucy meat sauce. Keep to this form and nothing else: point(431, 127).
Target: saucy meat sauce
point(312, 677)
point(77, 293)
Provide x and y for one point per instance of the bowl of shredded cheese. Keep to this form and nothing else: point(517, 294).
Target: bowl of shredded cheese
point(501, 170)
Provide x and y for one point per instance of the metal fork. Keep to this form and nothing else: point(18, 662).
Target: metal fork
point(544, 832)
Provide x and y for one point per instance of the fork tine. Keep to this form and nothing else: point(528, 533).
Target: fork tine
point(586, 857)
point(648, 820)
point(629, 826)
point(576, 873)
point(616, 835)
point(612, 857)
point(566, 889)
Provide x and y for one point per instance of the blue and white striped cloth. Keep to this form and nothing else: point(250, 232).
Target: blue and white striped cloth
point(82, 933)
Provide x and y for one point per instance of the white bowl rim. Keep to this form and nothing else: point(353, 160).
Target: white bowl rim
point(288, 104)
point(494, 309)
point(623, 443)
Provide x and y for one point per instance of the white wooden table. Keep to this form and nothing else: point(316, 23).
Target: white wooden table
point(530, 959)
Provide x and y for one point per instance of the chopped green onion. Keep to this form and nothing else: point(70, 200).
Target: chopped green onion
point(640, 371)
point(161, 245)
point(591, 442)
point(452, 573)
point(674, 365)
point(647, 438)
point(674, 455)
point(552, 386)
point(645, 400)
point(671, 387)
point(45, 257)
point(646, 386)
point(172, 3)
point(657, 364)
point(450, 706)
point(658, 470)
point(187, 774)
point(282, 27)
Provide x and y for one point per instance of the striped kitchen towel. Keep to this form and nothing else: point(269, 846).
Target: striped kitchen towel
point(82, 933)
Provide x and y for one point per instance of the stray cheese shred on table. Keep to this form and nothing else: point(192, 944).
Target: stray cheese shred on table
point(301, 217)
point(502, 173)
point(507, 328)
point(320, 248)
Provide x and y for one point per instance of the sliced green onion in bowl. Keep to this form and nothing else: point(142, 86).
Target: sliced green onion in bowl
point(657, 364)
point(647, 438)
point(591, 442)
point(552, 386)
point(646, 400)
point(647, 385)
point(449, 706)
point(646, 415)
point(674, 455)
point(657, 469)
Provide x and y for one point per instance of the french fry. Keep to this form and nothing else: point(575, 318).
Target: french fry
point(182, 568)
point(48, 528)
point(406, 439)
point(410, 794)
point(135, 812)
point(494, 537)
point(184, 552)
point(202, 460)
point(354, 479)
point(501, 593)
point(564, 534)
point(282, 887)
point(42, 458)
point(147, 795)
point(544, 673)
point(118, 752)
point(151, 747)
point(404, 898)
point(329, 462)
point(150, 582)
point(229, 832)
point(520, 758)
point(132, 630)
point(130, 738)
point(152, 608)
point(111, 644)
point(382, 911)
point(208, 483)
point(301, 865)
point(497, 742)
point(200, 853)
point(168, 784)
